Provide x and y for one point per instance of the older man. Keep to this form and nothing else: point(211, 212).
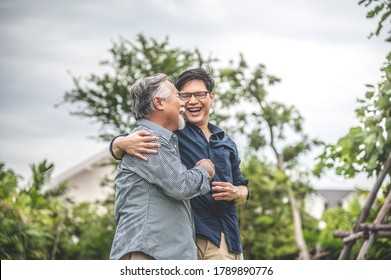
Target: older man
point(152, 209)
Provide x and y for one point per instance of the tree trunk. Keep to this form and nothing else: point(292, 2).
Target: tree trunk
point(299, 236)
point(297, 223)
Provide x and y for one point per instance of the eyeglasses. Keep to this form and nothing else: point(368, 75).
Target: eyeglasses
point(185, 96)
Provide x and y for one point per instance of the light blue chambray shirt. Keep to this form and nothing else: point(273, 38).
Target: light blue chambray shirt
point(152, 207)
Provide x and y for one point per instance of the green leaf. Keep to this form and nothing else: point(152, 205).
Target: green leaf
point(383, 102)
point(371, 165)
point(369, 94)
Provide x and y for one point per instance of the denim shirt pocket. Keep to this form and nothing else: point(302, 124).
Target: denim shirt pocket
point(222, 161)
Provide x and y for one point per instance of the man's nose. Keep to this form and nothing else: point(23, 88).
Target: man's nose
point(193, 99)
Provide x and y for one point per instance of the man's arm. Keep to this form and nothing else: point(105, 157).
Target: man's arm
point(166, 171)
point(243, 195)
point(227, 191)
point(135, 144)
point(236, 191)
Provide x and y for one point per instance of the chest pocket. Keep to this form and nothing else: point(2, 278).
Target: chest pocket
point(222, 161)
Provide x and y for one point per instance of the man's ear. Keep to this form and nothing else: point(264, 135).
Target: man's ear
point(212, 96)
point(157, 102)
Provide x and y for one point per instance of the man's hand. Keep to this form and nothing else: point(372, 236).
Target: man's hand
point(135, 144)
point(228, 192)
point(209, 166)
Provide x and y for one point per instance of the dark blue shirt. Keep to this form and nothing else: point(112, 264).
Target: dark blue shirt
point(212, 217)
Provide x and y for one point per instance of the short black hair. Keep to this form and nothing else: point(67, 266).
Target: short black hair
point(195, 74)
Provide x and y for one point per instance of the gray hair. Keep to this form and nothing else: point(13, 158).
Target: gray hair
point(143, 92)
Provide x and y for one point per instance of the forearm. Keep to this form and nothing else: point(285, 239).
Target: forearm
point(182, 184)
point(229, 192)
point(242, 195)
point(166, 171)
point(191, 183)
point(116, 150)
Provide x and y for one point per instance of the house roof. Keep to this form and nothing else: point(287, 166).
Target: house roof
point(95, 160)
point(334, 196)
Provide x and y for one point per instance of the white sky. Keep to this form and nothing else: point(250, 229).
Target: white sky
point(318, 47)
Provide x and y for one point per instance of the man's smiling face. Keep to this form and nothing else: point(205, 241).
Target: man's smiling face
point(197, 110)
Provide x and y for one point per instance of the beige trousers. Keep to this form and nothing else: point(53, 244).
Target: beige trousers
point(207, 250)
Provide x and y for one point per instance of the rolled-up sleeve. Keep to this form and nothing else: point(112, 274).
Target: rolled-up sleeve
point(111, 145)
point(237, 176)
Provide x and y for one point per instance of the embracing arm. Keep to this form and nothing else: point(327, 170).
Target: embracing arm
point(135, 144)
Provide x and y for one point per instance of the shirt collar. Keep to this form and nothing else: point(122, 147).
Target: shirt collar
point(220, 134)
point(155, 127)
point(217, 131)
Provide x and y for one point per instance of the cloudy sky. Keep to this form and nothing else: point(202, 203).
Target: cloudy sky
point(319, 48)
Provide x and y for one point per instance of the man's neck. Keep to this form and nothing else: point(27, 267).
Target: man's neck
point(204, 128)
point(161, 120)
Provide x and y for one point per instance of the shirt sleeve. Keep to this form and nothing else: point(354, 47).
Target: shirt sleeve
point(111, 145)
point(166, 171)
point(238, 179)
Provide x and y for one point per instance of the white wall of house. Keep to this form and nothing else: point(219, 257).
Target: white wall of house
point(86, 185)
point(315, 205)
point(85, 178)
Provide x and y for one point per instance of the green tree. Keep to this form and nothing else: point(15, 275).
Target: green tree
point(28, 216)
point(344, 219)
point(266, 219)
point(367, 147)
point(88, 232)
point(380, 9)
point(39, 223)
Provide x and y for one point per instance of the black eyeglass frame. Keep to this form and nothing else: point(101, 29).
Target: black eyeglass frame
point(197, 95)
